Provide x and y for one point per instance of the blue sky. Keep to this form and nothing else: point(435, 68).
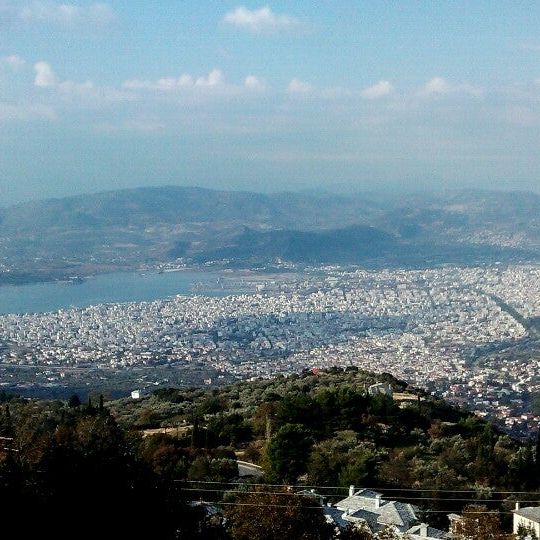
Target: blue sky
point(331, 95)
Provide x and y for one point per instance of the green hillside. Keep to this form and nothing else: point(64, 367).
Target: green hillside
point(153, 457)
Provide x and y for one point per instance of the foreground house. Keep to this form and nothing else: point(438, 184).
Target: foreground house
point(527, 517)
point(367, 508)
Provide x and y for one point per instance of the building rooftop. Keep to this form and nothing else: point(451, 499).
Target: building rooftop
point(529, 512)
point(369, 506)
point(426, 532)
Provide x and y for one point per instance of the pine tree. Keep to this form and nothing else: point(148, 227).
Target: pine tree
point(6, 425)
point(74, 401)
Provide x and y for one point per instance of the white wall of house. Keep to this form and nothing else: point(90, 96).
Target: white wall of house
point(520, 520)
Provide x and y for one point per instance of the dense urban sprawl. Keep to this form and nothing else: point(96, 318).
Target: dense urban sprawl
point(467, 334)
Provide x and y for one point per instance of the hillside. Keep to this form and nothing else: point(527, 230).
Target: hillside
point(159, 454)
point(350, 245)
point(143, 207)
point(398, 442)
point(355, 245)
point(126, 229)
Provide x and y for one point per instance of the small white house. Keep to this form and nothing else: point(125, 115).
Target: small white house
point(381, 388)
point(136, 394)
point(528, 517)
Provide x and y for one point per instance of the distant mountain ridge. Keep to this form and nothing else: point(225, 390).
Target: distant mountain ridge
point(126, 228)
point(171, 204)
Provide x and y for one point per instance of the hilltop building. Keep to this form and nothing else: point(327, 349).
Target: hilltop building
point(381, 388)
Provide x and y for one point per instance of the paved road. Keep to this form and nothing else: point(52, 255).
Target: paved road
point(249, 469)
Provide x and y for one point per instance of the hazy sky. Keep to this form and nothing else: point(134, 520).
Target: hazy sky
point(287, 95)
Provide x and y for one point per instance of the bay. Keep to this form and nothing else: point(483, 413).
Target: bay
point(107, 288)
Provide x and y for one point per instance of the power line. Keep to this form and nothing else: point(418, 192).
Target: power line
point(289, 494)
point(260, 505)
point(416, 490)
point(263, 505)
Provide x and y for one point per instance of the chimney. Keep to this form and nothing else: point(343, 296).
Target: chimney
point(423, 530)
point(377, 500)
point(517, 505)
point(351, 491)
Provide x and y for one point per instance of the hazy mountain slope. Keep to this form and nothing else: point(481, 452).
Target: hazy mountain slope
point(350, 245)
point(123, 229)
point(150, 206)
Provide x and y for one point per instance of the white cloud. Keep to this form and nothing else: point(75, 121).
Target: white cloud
point(214, 78)
point(440, 87)
point(189, 86)
point(381, 89)
point(214, 81)
point(12, 60)
point(253, 83)
point(86, 93)
point(260, 20)
point(70, 87)
point(437, 85)
point(169, 83)
point(165, 83)
point(296, 86)
point(45, 77)
point(53, 12)
point(184, 80)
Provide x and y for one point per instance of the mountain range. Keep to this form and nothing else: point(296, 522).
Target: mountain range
point(127, 228)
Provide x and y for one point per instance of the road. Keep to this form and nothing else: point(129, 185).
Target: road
point(249, 469)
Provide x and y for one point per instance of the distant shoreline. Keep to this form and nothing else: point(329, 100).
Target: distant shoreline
point(17, 278)
point(141, 285)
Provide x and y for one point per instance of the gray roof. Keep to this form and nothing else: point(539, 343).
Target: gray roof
point(370, 518)
point(397, 513)
point(529, 512)
point(363, 505)
point(432, 532)
point(335, 516)
point(365, 499)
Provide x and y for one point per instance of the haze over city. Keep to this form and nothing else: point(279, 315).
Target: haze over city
point(337, 96)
